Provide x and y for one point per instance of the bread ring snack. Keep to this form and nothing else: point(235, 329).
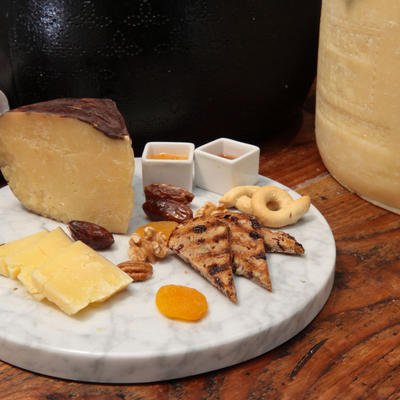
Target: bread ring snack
point(289, 212)
point(243, 204)
point(239, 197)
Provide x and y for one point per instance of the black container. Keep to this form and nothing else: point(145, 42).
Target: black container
point(180, 70)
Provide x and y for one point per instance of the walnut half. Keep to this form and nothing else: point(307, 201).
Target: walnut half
point(210, 209)
point(150, 247)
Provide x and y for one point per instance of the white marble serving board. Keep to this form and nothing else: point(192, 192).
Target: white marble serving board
point(127, 340)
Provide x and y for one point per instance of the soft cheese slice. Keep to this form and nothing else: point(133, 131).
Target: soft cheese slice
point(77, 277)
point(16, 245)
point(21, 263)
point(70, 159)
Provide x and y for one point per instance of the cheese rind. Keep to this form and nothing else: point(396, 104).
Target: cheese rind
point(10, 248)
point(78, 276)
point(65, 168)
point(357, 121)
point(101, 113)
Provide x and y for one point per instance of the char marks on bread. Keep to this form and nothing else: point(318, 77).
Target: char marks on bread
point(218, 243)
point(248, 250)
point(274, 241)
point(280, 242)
point(205, 244)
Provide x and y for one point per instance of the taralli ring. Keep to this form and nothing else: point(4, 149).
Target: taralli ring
point(239, 197)
point(288, 212)
point(243, 204)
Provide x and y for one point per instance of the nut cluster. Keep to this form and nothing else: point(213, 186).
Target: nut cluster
point(150, 247)
point(210, 209)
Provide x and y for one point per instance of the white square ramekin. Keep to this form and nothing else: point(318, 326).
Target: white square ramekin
point(175, 172)
point(218, 174)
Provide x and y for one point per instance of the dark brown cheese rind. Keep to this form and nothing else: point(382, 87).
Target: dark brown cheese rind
point(102, 114)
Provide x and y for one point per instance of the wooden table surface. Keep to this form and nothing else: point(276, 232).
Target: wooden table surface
point(351, 350)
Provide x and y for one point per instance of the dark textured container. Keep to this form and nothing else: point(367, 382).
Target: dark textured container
point(178, 70)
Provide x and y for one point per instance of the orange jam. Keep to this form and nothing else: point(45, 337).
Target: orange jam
point(227, 156)
point(167, 156)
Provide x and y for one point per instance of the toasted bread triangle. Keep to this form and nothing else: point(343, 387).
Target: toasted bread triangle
point(280, 242)
point(274, 241)
point(204, 243)
point(248, 251)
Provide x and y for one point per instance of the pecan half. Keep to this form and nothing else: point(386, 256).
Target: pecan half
point(137, 270)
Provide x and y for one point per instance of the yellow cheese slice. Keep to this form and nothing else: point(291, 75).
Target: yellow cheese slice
point(16, 245)
point(21, 263)
point(78, 276)
point(66, 168)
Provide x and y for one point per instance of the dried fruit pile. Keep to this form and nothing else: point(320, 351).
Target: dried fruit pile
point(167, 202)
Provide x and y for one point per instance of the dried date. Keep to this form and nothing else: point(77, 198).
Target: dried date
point(167, 192)
point(167, 210)
point(95, 236)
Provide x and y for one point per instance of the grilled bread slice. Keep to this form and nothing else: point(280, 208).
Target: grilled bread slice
point(274, 241)
point(277, 241)
point(248, 251)
point(280, 242)
point(204, 243)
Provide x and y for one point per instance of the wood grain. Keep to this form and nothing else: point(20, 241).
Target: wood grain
point(352, 348)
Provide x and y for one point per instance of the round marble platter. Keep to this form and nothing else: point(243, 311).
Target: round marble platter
point(127, 340)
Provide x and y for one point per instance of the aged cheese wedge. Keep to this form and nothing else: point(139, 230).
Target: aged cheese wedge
point(70, 159)
point(357, 119)
point(10, 248)
point(77, 277)
point(22, 263)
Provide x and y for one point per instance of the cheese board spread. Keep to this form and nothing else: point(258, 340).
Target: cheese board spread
point(127, 340)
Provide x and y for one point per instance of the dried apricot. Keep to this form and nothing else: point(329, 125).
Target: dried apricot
point(166, 227)
point(181, 302)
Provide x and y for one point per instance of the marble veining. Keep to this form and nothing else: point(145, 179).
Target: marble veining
point(126, 339)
